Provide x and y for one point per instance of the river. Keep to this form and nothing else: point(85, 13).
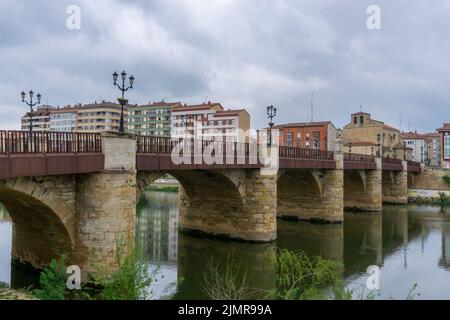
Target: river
point(411, 245)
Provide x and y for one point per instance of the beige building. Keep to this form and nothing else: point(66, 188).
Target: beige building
point(364, 135)
point(98, 117)
point(40, 119)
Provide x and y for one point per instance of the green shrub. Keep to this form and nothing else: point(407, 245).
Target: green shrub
point(300, 277)
point(53, 281)
point(131, 279)
point(446, 178)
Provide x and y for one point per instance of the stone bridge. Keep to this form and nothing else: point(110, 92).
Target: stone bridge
point(76, 194)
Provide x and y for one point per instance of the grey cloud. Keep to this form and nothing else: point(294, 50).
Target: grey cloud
point(242, 53)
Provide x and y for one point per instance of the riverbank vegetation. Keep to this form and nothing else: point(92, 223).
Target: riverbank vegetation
point(130, 281)
point(163, 188)
point(443, 200)
point(446, 179)
point(298, 277)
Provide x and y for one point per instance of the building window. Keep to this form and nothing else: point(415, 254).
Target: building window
point(361, 119)
point(299, 136)
point(355, 120)
point(289, 138)
point(447, 147)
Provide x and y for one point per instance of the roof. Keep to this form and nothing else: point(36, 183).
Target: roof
point(413, 135)
point(386, 126)
point(229, 112)
point(197, 107)
point(360, 113)
point(445, 127)
point(361, 143)
point(159, 104)
point(302, 124)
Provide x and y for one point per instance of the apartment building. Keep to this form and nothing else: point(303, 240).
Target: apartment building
point(210, 121)
point(40, 119)
point(63, 119)
point(444, 132)
point(98, 117)
point(152, 119)
point(418, 143)
point(310, 135)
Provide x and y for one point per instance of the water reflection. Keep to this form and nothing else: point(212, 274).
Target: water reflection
point(410, 244)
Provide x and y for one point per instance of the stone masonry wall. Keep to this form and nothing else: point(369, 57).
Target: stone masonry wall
point(395, 190)
point(430, 179)
point(244, 209)
point(105, 216)
point(311, 195)
point(362, 190)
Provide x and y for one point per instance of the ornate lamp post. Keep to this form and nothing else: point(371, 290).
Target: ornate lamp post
point(379, 145)
point(350, 149)
point(404, 150)
point(31, 104)
point(123, 88)
point(271, 113)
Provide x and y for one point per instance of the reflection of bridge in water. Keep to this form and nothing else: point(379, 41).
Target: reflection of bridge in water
point(83, 190)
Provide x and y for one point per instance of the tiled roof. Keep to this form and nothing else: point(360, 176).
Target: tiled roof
point(301, 124)
point(204, 106)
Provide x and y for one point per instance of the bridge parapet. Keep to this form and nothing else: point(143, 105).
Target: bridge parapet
point(25, 153)
point(354, 161)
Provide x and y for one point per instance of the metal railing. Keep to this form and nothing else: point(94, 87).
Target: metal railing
point(165, 145)
point(20, 142)
point(358, 157)
point(392, 160)
point(305, 153)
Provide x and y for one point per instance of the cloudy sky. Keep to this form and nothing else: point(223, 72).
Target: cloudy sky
point(242, 53)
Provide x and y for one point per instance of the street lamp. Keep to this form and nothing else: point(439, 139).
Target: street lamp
point(404, 150)
point(123, 88)
point(31, 104)
point(271, 113)
point(350, 149)
point(379, 145)
point(421, 154)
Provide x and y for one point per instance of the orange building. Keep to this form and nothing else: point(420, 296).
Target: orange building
point(312, 135)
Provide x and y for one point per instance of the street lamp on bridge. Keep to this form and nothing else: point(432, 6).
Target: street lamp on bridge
point(31, 104)
point(379, 145)
point(271, 113)
point(123, 89)
point(404, 150)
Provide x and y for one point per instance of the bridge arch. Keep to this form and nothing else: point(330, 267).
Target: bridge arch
point(355, 188)
point(43, 223)
point(301, 194)
point(210, 201)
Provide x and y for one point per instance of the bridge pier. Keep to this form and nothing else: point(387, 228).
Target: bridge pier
point(312, 194)
point(395, 186)
point(221, 213)
point(106, 208)
point(362, 189)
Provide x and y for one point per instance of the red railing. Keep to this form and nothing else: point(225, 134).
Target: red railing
point(164, 145)
point(19, 142)
point(358, 157)
point(305, 153)
point(392, 160)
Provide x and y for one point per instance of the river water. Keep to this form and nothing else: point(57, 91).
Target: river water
point(411, 245)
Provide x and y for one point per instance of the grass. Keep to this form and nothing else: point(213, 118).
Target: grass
point(298, 277)
point(161, 188)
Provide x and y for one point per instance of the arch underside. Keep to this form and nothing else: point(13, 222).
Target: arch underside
point(39, 235)
point(355, 191)
point(299, 195)
point(210, 201)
